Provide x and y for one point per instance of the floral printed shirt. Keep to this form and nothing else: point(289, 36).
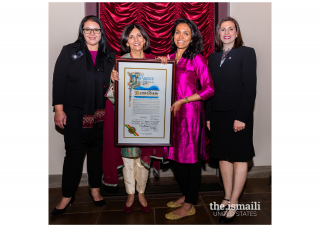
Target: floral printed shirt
point(128, 152)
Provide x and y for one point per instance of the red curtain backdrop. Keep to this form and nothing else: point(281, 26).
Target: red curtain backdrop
point(157, 20)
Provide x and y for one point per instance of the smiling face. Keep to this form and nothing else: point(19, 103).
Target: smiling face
point(92, 39)
point(136, 40)
point(228, 33)
point(182, 36)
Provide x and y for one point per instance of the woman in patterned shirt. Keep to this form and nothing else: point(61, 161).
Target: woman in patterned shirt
point(134, 161)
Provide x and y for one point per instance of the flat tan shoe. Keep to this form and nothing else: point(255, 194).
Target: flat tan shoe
point(171, 216)
point(172, 204)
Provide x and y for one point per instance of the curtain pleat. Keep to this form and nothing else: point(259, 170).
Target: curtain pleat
point(157, 20)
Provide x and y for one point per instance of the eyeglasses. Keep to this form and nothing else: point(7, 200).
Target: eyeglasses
point(88, 31)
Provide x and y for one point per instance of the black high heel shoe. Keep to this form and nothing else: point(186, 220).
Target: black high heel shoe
point(100, 203)
point(225, 219)
point(222, 209)
point(57, 212)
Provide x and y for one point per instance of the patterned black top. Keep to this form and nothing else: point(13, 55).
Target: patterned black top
point(224, 56)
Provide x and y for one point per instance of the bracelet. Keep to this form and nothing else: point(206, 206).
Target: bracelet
point(187, 101)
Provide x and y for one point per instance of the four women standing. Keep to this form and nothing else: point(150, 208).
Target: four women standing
point(82, 76)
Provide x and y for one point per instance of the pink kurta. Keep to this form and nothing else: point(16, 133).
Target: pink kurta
point(189, 73)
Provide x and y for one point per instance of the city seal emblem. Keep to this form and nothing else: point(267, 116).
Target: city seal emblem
point(132, 130)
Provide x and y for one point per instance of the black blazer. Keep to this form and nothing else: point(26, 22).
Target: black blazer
point(235, 82)
point(69, 76)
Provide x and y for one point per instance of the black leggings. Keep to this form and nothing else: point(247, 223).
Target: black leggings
point(76, 143)
point(188, 175)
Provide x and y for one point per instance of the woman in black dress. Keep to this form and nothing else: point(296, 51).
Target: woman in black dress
point(80, 80)
point(229, 113)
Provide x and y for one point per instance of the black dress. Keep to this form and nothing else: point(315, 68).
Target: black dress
point(235, 87)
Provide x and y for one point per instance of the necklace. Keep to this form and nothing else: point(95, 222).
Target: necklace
point(178, 58)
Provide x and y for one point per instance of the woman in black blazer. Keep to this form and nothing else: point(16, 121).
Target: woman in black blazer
point(80, 80)
point(229, 114)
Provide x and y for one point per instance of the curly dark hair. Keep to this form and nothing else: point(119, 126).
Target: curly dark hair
point(196, 45)
point(103, 45)
point(125, 36)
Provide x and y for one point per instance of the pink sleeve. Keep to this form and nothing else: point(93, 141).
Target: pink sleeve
point(204, 75)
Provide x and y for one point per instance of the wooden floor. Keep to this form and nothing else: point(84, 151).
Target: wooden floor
point(83, 211)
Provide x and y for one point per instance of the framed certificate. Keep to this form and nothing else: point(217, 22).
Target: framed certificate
point(143, 98)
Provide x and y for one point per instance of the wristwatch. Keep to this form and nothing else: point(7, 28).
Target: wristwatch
point(187, 101)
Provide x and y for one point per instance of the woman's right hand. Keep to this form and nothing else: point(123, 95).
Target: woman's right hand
point(114, 75)
point(208, 125)
point(60, 118)
point(164, 59)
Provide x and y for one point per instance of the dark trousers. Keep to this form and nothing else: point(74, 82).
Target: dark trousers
point(76, 143)
point(188, 175)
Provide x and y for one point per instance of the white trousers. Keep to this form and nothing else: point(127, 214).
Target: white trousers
point(134, 171)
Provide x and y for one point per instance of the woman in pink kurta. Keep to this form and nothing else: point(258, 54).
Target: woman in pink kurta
point(189, 73)
point(193, 86)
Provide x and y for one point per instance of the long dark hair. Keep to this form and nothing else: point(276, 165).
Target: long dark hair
point(104, 51)
point(238, 42)
point(125, 36)
point(196, 45)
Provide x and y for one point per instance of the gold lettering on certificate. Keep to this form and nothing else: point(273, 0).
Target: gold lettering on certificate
point(145, 93)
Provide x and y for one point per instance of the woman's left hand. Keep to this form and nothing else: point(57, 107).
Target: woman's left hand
point(176, 107)
point(238, 125)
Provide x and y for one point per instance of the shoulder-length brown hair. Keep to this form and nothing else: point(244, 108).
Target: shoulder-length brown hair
point(125, 36)
point(218, 43)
